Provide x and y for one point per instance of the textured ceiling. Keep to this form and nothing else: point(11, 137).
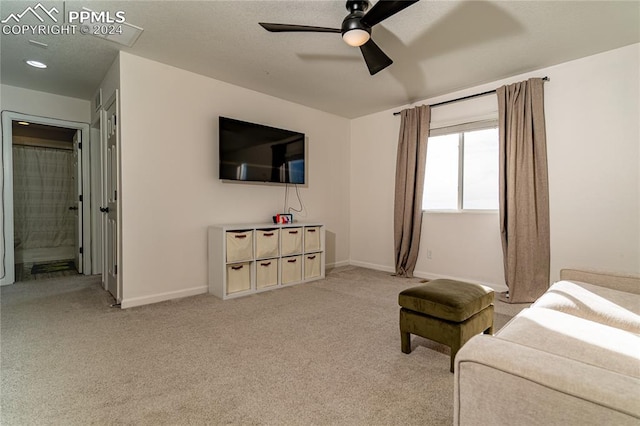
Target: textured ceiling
point(437, 47)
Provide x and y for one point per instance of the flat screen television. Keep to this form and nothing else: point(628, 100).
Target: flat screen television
point(256, 153)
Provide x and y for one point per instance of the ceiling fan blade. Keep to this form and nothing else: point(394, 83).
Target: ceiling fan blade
point(374, 57)
point(288, 28)
point(383, 10)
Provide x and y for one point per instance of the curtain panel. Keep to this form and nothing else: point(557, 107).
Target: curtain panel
point(524, 190)
point(409, 186)
point(43, 182)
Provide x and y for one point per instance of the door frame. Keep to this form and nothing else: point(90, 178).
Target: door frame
point(113, 205)
point(7, 249)
point(79, 198)
point(97, 193)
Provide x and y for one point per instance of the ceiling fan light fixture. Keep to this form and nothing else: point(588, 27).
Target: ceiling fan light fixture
point(356, 37)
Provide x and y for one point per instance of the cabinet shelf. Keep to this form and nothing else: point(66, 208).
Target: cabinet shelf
point(246, 259)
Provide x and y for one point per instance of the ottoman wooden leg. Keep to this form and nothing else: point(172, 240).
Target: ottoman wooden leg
point(405, 342)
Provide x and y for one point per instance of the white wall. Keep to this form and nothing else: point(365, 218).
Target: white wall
point(43, 104)
point(170, 189)
point(593, 138)
point(594, 141)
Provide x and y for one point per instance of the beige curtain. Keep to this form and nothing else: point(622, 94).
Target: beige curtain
point(412, 156)
point(524, 190)
point(43, 183)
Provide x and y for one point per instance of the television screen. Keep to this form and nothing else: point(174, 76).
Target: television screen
point(257, 153)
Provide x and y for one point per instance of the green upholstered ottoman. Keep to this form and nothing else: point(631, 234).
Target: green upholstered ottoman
point(446, 311)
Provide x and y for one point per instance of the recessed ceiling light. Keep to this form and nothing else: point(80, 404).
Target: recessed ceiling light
point(24, 123)
point(36, 64)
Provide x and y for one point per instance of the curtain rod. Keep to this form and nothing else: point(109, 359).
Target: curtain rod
point(464, 98)
point(53, 145)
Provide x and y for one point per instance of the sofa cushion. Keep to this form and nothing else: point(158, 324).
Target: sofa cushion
point(576, 338)
point(610, 307)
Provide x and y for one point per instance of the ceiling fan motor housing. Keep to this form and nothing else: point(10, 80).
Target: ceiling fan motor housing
point(352, 21)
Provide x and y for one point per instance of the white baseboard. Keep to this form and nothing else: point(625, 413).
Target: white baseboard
point(426, 275)
point(373, 266)
point(161, 297)
point(496, 287)
point(337, 264)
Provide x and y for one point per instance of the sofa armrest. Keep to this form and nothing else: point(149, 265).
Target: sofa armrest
point(500, 382)
point(622, 282)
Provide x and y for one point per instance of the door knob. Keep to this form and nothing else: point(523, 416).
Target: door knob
point(104, 209)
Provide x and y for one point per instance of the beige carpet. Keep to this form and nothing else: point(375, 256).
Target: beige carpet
point(326, 352)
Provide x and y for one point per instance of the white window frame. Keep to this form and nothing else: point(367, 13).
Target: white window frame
point(460, 129)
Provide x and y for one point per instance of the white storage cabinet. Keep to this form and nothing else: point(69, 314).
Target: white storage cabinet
point(246, 259)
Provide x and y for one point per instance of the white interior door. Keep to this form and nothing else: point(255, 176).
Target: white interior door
point(110, 162)
point(77, 192)
point(97, 194)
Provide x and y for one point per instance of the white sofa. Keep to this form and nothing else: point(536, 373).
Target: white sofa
point(572, 358)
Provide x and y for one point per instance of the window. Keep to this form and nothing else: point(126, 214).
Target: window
point(462, 169)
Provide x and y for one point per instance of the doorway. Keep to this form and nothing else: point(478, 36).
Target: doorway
point(45, 201)
point(52, 229)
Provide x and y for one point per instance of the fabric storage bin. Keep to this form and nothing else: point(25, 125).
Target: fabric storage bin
point(291, 268)
point(266, 273)
point(311, 238)
point(239, 245)
point(267, 243)
point(238, 277)
point(291, 241)
point(312, 265)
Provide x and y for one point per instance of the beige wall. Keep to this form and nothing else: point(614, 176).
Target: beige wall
point(171, 191)
point(594, 161)
point(593, 135)
point(18, 99)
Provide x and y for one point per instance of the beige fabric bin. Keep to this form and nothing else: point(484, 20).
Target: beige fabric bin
point(291, 241)
point(291, 268)
point(266, 273)
point(239, 245)
point(311, 238)
point(312, 264)
point(267, 243)
point(238, 277)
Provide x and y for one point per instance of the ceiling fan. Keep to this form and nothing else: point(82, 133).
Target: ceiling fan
point(356, 28)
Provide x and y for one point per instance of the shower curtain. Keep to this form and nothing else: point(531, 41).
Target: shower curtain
point(43, 191)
